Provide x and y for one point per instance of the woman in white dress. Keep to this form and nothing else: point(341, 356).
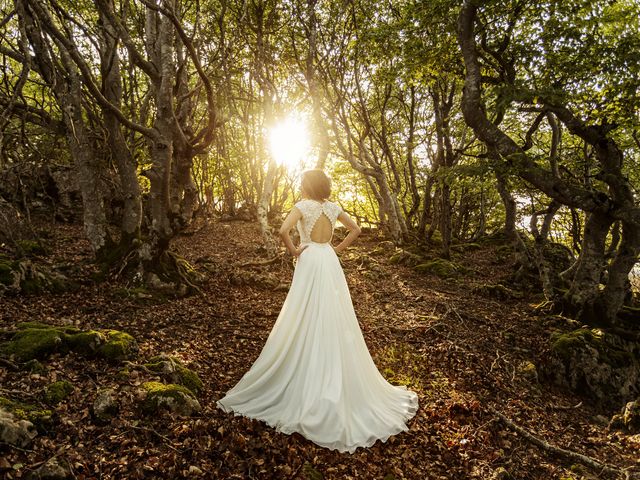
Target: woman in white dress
point(315, 375)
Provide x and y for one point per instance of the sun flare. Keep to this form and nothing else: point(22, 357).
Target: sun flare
point(289, 142)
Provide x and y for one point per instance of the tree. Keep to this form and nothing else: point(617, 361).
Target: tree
point(544, 86)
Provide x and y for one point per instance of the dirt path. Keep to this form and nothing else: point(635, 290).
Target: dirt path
point(459, 350)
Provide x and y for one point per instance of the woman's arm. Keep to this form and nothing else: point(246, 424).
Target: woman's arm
point(354, 231)
point(287, 225)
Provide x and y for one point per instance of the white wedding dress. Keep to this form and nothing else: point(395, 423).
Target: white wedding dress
point(315, 375)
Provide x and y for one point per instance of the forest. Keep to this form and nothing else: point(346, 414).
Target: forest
point(489, 150)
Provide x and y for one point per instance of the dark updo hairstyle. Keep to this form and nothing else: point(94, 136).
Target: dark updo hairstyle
point(315, 184)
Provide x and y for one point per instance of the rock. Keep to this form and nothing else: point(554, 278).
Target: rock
point(440, 267)
point(193, 470)
point(105, 406)
point(24, 276)
point(57, 392)
point(14, 431)
point(51, 470)
point(628, 418)
point(174, 371)
point(404, 257)
point(631, 416)
point(119, 346)
point(175, 398)
point(597, 364)
point(500, 474)
point(41, 418)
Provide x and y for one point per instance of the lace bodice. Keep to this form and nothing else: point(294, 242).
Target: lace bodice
point(311, 211)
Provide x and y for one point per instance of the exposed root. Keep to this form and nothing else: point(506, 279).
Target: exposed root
point(569, 455)
point(260, 263)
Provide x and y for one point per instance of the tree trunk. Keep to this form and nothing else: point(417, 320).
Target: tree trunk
point(618, 286)
point(67, 89)
point(162, 51)
point(120, 152)
point(584, 290)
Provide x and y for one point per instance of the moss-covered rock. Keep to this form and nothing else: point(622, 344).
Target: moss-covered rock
point(34, 343)
point(628, 418)
point(175, 398)
point(405, 257)
point(15, 431)
point(631, 416)
point(173, 370)
point(87, 343)
point(440, 267)
point(34, 340)
point(594, 363)
point(466, 247)
point(38, 416)
point(25, 276)
point(57, 392)
point(118, 346)
point(528, 371)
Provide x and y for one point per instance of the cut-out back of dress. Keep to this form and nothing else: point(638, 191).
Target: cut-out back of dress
point(318, 220)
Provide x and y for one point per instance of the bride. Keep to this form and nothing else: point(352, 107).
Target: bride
point(315, 375)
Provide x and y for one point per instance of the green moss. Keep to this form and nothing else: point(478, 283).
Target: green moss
point(123, 374)
point(440, 267)
point(528, 370)
point(35, 340)
point(178, 373)
point(31, 247)
point(40, 417)
point(311, 473)
point(119, 345)
point(33, 285)
point(169, 390)
point(34, 343)
point(34, 366)
point(57, 392)
point(436, 238)
point(564, 343)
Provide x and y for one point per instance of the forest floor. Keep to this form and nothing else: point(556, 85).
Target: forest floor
point(462, 352)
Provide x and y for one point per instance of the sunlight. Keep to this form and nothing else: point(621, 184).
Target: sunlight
point(289, 142)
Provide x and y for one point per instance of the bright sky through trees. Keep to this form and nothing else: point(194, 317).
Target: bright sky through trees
point(289, 142)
